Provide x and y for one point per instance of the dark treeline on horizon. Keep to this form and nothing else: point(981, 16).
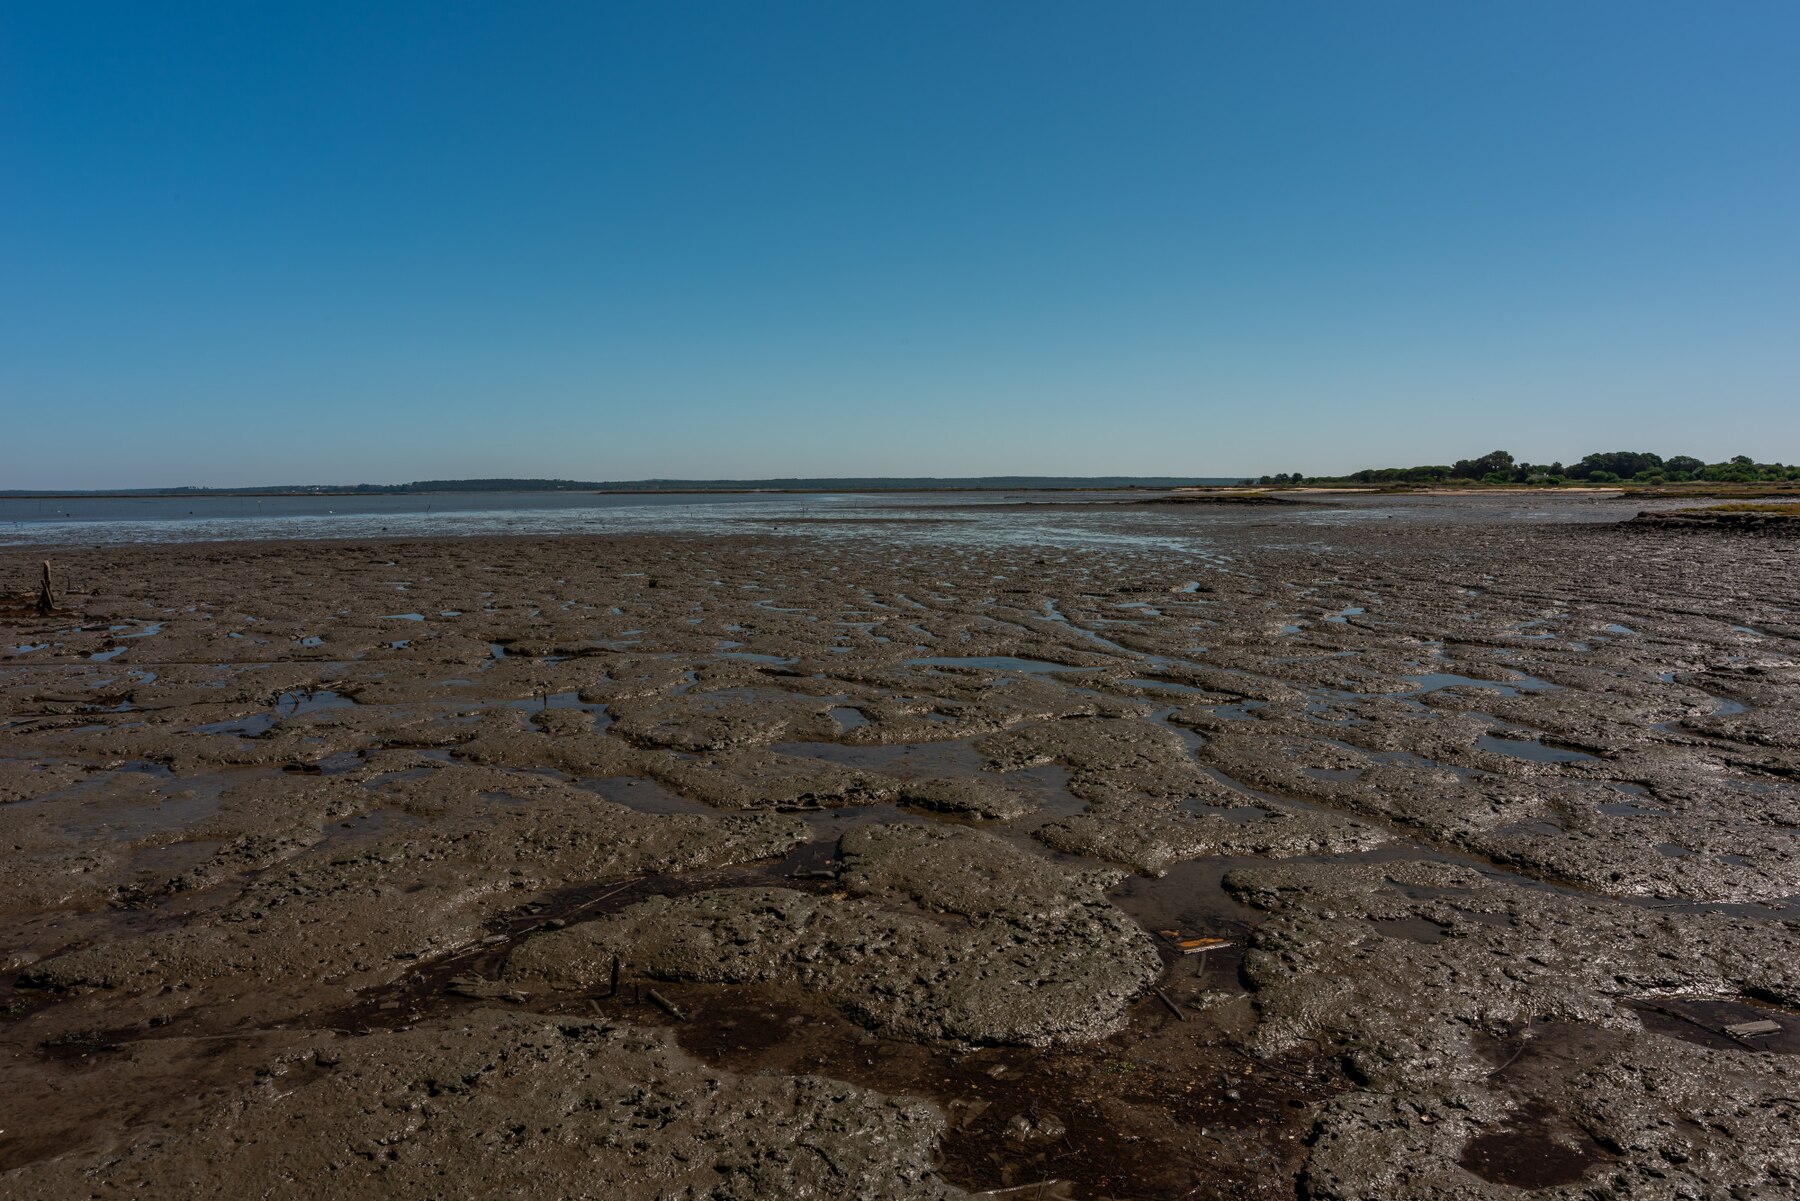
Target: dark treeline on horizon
point(1603, 467)
point(797, 484)
point(1495, 467)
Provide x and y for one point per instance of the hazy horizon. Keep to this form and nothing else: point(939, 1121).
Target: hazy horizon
point(799, 483)
point(709, 241)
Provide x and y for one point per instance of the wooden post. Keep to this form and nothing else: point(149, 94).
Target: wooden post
point(44, 603)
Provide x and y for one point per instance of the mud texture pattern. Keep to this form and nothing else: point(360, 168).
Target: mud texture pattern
point(865, 858)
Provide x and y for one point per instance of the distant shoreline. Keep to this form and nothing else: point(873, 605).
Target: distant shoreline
point(979, 485)
point(676, 489)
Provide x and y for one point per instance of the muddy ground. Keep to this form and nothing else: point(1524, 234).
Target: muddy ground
point(846, 866)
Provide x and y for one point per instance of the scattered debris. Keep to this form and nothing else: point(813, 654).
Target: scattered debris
point(1032, 1126)
point(667, 1006)
point(1741, 1031)
point(482, 989)
point(1193, 944)
point(963, 1111)
point(1043, 1190)
point(1172, 1006)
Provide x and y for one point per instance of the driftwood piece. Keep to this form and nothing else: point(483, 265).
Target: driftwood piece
point(667, 1006)
point(481, 989)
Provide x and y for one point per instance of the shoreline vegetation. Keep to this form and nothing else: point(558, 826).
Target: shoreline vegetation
point(1615, 468)
point(1635, 472)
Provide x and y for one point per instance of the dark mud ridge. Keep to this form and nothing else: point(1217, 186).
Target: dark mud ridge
point(1248, 856)
point(1772, 524)
point(1220, 498)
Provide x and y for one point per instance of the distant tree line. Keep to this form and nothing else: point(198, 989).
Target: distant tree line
point(1606, 467)
point(808, 484)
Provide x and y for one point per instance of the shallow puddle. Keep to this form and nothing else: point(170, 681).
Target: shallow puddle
point(1631, 809)
point(1704, 1021)
point(999, 663)
point(544, 702)
point(848, 718)
point(1531, 751)
point(1241, 711)
point(1239, 815)
point(1537, 1148)
point(1437, 680)
point(1169, 686)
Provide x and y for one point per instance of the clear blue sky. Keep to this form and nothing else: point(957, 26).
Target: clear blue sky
point(259, 242)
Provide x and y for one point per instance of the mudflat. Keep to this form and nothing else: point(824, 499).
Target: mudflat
point(827, 863)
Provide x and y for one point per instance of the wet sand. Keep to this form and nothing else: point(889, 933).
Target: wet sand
point(811, 863)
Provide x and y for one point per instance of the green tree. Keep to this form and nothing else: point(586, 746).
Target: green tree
point(1488, 464)
point(1616, 464)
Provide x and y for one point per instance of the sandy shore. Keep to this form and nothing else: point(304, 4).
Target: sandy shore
point(761, 866)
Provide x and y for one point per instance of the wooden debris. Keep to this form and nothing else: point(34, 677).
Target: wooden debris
point(667, 1006)
point(45, 602)
point(482, 989)
point(1043, 1190)
point(1753, 1029)
point(1192, 944)
point(1173, 1007)
point(1199, 946)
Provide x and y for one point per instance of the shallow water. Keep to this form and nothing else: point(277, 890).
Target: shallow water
point(998, 663)
point(1067, 520)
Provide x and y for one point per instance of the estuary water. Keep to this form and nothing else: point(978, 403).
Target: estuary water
point(1045, 518)
point(937, 516)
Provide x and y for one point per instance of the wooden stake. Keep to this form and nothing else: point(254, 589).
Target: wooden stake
point(44, 602)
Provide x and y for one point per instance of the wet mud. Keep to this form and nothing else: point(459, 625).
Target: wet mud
point(1435, 849)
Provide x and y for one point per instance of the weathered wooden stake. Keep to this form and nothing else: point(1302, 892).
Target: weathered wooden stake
point(44, 601)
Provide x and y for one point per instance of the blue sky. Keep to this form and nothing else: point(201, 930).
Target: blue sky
point(260, 242)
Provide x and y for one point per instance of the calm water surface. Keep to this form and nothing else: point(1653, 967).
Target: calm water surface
point(1049, 519)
